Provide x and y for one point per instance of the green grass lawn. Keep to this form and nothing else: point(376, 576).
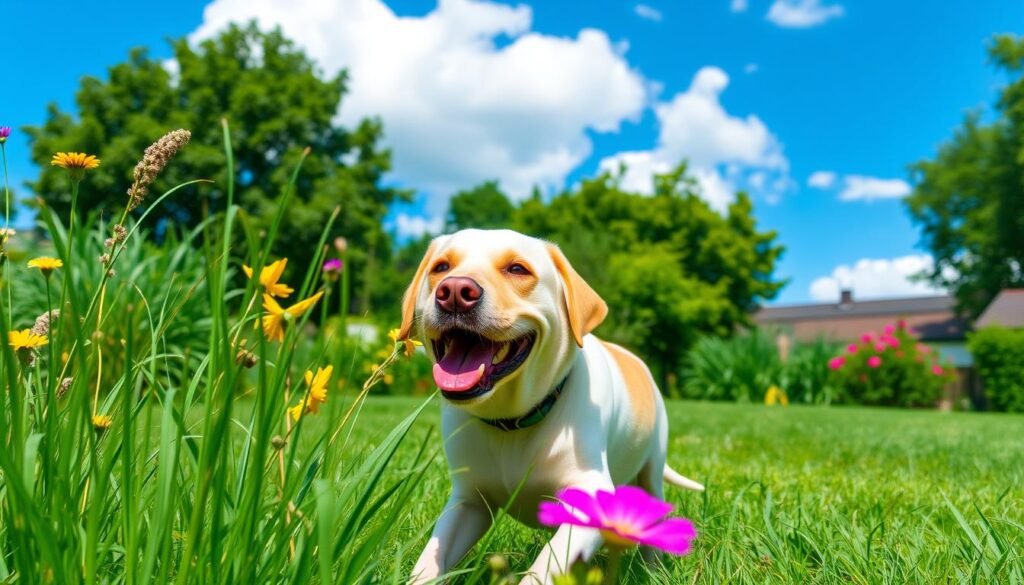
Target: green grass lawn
point(804, 495)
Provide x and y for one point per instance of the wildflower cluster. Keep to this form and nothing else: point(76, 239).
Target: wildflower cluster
point(890, 368)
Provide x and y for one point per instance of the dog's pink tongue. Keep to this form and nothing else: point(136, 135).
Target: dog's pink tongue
point(459, 370)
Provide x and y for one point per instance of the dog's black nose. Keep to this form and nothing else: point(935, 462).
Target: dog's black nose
point(458, 294)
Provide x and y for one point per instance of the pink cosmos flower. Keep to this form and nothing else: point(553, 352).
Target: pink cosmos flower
point(626, 517)
point(937, 370)
point(852, 348)
point(836, 362)
point(874, 361)
point(889, 330)
point(880, 347)
point(893, 342)
point(867, 338)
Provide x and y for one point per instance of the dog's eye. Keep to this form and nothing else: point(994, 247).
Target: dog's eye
point(441, 267)
point(517, 268)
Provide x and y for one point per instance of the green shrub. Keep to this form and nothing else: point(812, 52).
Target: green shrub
point(806, 378)
point(741, 368)
point(890, 369)
point(999, 357)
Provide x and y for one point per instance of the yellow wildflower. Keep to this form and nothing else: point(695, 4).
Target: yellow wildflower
point(317, 393)
point(410, 344)
point(102, 422)
point(25, 339)
point(269, 276)
point(45, 264)
point(75, 162)
point(776, 395)
point(274, 320)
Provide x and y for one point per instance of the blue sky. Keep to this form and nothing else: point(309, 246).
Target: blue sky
point(761, 94)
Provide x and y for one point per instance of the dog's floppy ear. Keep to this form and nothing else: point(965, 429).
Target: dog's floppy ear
point(409, 300)
point(585, 307)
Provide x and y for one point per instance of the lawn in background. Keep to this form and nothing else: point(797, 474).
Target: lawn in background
point(804, 495)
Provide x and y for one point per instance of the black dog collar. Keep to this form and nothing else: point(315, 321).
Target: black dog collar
point(534, 416)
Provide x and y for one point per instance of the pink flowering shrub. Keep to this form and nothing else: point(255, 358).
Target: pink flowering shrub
point(890, 368)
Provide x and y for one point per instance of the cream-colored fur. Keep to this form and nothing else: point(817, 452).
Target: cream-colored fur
point(607, 428)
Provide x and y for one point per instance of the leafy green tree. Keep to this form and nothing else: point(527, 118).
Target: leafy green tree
point(672, 268)
point(277, 103)
point(484, 206)
point(968, 200)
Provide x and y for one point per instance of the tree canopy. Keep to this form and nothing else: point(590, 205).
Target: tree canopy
point(277, 103)
point(969, 199)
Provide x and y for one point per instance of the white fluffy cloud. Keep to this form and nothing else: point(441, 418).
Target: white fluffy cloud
point(647, 12)
point(738, 5)
point(821, 180)
point(457, 107)
point(802, 13)
point(414, 226)
point(724, 151)
point(876, 279)
point(861, 188)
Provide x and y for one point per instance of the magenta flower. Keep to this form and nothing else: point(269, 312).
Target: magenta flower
point(866, 338)
point(852, 348)
point(836, 362)
point(880, 347)
point(937, 370)
point(5, 131)
point(874, 361)
point(889, 330)
point(626, 517)
point(332, 265)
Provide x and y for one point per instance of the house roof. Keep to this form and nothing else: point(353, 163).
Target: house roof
point(1007, 309)
point(931, 318)
point(883, 308)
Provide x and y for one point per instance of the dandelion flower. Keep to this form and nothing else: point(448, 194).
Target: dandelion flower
point(776, 395)
point(410, 344)
point(25, 339)
point(274, 320)
point(269, 277)
point(45, 264)
point(102, 422)
point(626, 517)
point(317, 395)
point(75, 163)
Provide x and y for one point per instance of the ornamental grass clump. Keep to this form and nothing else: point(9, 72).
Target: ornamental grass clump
point(165, 421)
point(890, 368)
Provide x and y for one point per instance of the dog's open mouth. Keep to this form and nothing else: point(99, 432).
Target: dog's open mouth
point(469, 365)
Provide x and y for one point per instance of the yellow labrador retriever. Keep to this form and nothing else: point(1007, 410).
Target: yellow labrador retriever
point(531, 398)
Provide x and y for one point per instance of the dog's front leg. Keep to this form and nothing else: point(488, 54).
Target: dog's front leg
point(460, 526)
point(568, 544)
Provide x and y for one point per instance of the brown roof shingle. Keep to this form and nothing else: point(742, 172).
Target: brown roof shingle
point(1007, 309)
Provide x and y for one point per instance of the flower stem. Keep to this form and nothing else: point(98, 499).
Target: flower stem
point(611, 572)
point(7, 282)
